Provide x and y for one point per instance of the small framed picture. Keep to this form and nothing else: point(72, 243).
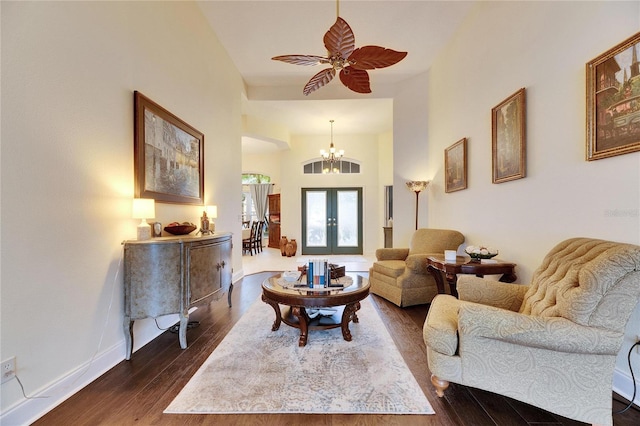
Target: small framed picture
point(455, 166)
point(508, 138)
point(156, 229)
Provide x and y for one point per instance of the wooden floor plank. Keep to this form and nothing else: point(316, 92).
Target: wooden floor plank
point(137, 391)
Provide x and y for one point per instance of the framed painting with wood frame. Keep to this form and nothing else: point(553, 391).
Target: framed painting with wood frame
point(455, 166)
point(168, 155)
point(508, 138)
point(613, 101)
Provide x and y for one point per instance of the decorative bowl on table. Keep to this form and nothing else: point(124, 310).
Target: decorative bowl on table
point(480, 252)
point(183, 228)
point(291, 276)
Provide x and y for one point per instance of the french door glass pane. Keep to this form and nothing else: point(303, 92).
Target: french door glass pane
point(316, 218)
point(347, 218)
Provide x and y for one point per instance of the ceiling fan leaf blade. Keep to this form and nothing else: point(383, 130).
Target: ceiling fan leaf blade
point(319, 80)
point(355, 79)
point(301, 59)
point(340, 39)
point(371, 57)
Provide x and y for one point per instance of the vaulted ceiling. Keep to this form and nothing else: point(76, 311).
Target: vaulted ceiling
point(253, 32)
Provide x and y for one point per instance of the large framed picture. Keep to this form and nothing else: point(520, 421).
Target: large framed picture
point(168, 155)
point(613, 101)
point(455, 166)
point(508, 138)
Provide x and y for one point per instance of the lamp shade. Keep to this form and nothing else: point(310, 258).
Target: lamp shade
point(144, 208)
point(417, 185)
point(212, 211)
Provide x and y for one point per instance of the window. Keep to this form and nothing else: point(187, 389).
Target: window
point(248, 178)
point(248, 209)
point(317, 167)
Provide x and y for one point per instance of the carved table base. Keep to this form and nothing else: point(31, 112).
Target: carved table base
point(298, 302)
point(298, 317)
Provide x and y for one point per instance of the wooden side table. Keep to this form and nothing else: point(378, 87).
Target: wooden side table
point(464, 265)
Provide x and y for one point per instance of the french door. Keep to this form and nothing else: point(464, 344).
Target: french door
point(331, 220)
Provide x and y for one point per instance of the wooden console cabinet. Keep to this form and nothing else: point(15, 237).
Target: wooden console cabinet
point(274, 220)
point(169, 275)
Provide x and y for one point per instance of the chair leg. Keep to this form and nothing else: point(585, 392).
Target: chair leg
point(439, 384)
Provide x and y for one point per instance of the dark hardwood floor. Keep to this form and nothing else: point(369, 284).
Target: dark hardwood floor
point(137, 391)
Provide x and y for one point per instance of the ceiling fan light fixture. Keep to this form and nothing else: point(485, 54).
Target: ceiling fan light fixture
point(344, 57)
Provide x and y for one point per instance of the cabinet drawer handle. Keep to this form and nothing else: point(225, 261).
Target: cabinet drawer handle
point(223, 264)
point(218, 266)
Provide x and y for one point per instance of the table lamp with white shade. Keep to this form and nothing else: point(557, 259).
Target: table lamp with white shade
point(144, 208)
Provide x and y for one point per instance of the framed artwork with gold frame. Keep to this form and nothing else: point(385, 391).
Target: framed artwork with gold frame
point(508, 138)
point(613, 101)
point(168, 155)
point(455, 166)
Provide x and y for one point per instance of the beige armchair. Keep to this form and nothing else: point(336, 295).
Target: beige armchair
point(552, 344)
point(400, 275)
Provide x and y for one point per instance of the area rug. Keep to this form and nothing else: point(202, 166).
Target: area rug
point(334, 259)
point(256, 370)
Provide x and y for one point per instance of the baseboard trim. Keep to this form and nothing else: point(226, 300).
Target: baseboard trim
point(27, 411)
point(623, 386)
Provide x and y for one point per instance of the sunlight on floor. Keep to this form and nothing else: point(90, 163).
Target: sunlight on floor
point(271, 260)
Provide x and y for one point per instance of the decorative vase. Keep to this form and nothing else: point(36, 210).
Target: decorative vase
point(283, 244)
point(295, 246)
point(288, 249)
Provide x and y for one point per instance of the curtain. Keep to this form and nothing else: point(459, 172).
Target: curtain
point(259, 193)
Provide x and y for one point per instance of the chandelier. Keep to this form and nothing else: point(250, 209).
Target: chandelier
point(331, 160)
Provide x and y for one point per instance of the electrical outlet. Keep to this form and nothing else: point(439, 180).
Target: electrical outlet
point(8, 369)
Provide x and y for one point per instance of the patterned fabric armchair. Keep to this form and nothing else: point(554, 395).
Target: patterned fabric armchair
point(400, 275)
point(552, 344)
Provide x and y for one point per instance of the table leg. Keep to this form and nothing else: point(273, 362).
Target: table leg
point(182, 332)
point(437, 276)
point(349, 314)
point(452, 279)
point(303, 322)
point(508, 278)
point(128, 337)
point(276, 307)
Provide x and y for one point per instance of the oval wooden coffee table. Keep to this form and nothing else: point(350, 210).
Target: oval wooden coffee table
point(302, 299)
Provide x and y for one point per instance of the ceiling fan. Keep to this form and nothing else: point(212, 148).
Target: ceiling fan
point(342, 55)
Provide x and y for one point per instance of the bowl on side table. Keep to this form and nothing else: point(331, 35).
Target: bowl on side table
point(180, 229)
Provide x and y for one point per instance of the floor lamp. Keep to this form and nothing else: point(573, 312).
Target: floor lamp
point(417, 186)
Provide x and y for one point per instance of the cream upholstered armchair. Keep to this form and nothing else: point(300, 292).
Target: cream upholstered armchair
point(400, 275)
point(551, 344)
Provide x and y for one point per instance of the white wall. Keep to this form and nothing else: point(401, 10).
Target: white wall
point(385, 178)
point(501, 47)
point(266, 164)
point(69, 70)
point(409, 157)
